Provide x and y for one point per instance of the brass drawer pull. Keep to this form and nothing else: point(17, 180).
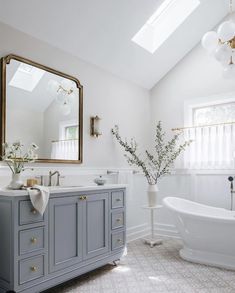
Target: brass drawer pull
point(34, 211)
point(118, 199)
point(118, 220)
point(34, 269)
point(33, 240)
point(119, 240)
point(83, 197)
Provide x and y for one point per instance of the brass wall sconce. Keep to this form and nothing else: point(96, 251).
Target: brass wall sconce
point(95, 126)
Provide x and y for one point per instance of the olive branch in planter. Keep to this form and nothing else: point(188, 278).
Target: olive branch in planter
point(154, 165)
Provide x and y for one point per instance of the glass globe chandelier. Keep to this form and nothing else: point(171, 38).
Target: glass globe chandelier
point(221, 45)
point(65, 93)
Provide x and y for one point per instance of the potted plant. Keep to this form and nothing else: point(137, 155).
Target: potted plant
point(154, 165)
point(15, 158)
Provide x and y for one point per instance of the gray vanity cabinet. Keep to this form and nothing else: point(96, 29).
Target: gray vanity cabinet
point(80, 231)
point(65, 232)
point(96, 225)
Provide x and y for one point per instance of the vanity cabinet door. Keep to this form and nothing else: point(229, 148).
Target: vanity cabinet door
point(96, 226)
point(65, 232)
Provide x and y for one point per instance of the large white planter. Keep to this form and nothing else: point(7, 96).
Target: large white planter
point(152, 195)
point(16, 182)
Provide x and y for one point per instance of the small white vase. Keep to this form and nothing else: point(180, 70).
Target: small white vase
point(16, 182)
point(152, 195)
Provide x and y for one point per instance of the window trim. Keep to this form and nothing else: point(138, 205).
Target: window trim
point(65, 124)
point(206, 101)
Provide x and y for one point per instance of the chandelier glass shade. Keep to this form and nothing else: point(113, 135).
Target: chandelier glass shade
point(221, 45)
point(65, 94)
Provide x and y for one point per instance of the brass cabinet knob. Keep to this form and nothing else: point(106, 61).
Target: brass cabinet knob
point(118, 199)
point(34, 269)
point(119, 240)
point(34, 211)
point(83, 197)
point(33, 240)
point(118, 219)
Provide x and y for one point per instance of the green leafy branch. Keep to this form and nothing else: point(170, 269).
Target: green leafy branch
point(154, 165)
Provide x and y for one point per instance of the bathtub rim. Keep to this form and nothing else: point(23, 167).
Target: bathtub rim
point(218, 218)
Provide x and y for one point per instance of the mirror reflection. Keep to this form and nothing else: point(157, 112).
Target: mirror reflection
point(42, 107)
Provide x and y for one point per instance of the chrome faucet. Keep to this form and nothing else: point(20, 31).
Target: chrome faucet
point(58, 177)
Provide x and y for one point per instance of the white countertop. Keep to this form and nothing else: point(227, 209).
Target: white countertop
point(63, 189)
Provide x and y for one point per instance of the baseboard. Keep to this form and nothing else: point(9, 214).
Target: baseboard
point(140, 231)
point(137, 232)
point(166, 230)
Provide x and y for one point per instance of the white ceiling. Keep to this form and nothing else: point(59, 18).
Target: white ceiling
point(38, 100)
point(100, 32)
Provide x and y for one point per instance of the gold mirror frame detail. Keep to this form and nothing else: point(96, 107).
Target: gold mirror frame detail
point(6, 60)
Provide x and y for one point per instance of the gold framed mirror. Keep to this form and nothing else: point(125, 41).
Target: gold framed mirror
point(44, 106)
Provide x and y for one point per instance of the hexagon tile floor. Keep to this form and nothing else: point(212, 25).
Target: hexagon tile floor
point(158, 269)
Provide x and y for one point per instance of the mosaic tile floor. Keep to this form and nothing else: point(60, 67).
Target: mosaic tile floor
point(158, 269)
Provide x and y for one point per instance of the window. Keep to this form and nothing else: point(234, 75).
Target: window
point(214, 114)
point(213, 134)
point(26, 77)
point(165, 20)
point(67, 145)
point(71, 132)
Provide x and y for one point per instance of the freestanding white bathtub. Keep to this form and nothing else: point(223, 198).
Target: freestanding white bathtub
point(208, 233)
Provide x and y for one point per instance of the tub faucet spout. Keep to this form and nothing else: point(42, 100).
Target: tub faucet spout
point(230, 179)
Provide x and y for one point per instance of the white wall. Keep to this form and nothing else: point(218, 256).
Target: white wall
point(115, 100)
point(197, 75)
point(121, 102)
point(22, 129)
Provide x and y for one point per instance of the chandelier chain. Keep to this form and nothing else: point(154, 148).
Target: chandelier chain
point(231, 6)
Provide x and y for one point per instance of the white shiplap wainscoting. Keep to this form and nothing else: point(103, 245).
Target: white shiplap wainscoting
point(207, 187)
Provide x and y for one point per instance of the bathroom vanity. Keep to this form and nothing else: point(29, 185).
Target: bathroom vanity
point(83, 228)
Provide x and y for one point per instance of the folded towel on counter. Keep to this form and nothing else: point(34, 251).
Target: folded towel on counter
point(39, 196)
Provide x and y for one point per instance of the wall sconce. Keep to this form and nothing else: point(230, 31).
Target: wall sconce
point(95, 126)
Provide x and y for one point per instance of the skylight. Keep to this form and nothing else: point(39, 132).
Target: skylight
point(165, 20)
point(26, 77)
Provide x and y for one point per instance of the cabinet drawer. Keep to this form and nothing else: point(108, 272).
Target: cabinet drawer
point(31, 240)
point(118, 240)
point(117, 199)
point(31, 268)
point(28, 214)
point(117, 220)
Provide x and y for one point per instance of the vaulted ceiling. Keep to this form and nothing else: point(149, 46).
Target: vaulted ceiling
point(100, 32)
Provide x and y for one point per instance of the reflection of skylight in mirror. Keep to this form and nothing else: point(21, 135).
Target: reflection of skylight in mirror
point(165, 20)
point(26, 77)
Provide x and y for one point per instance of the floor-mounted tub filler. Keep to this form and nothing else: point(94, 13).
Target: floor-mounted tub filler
point(208, 233)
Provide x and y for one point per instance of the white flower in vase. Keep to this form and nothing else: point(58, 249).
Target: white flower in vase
point(15, 157)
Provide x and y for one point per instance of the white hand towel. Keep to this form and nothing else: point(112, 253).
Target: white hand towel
point(126, 177)
point(39, 196)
